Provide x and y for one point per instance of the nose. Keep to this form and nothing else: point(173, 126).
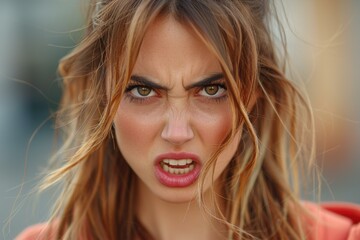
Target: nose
point(177, 129)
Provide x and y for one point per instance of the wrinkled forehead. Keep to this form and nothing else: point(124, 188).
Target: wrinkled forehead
point(171, 52)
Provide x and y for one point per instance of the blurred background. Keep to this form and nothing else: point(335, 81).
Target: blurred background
point(323, 37)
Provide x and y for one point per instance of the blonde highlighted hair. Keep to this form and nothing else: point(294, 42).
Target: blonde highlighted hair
point(260, 183)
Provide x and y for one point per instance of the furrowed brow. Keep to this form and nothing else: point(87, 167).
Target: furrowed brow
point(207, 81)
point(145, 81)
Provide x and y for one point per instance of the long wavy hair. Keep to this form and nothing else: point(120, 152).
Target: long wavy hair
point(260, 184)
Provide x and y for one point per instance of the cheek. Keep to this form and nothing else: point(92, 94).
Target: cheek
point(133, 130)
point(127, 130)
point(228, 153)
point(214, 125)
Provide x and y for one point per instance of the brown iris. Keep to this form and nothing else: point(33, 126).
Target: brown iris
point(144, 91)
point(212, 89)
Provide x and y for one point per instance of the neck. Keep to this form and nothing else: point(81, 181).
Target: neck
point(167, 220)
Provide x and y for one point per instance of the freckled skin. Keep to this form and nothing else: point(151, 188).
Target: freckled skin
point(175, 120)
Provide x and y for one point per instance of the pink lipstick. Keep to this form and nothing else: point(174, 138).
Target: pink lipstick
point(177, 169)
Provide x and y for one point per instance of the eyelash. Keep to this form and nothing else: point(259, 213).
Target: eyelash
point(136, 99)
point(145, 99)
point(216, 99)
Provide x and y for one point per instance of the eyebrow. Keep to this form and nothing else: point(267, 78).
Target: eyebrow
point(206, 81)
point(147, 82)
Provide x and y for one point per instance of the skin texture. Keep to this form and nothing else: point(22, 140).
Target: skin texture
point(175, 119)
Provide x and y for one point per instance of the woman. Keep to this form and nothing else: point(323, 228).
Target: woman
point(180, 124)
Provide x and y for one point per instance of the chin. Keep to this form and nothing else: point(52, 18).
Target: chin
point(175, 195)
point(178, 195)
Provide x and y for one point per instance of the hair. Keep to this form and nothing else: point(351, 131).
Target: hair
point(260, 185)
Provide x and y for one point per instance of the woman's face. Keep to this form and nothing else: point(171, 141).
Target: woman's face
point(175, 113)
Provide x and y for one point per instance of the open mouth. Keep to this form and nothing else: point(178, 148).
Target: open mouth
point(177, 166)
point(177, 169)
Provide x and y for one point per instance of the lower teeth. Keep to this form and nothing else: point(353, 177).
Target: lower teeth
point(177, 171)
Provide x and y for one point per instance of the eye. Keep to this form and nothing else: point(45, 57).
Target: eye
point(213, 91)
point(142, 91)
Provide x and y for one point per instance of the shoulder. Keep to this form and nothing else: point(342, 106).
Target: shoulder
point(337, 221)
point(38, 232)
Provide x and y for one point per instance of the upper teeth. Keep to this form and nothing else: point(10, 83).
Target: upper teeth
point(180, 162)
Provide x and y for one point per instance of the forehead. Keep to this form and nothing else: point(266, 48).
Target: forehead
point(171, 51)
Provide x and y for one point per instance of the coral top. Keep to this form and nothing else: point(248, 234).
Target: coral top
point(328, 221)
point(333, 221)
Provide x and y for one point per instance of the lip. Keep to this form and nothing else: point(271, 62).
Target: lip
point(182, 180)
